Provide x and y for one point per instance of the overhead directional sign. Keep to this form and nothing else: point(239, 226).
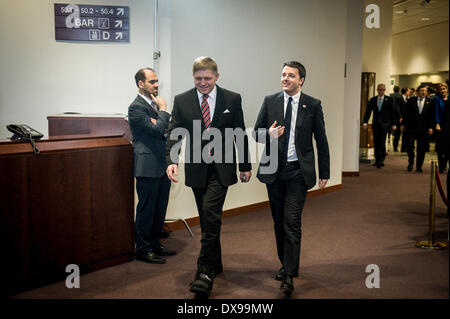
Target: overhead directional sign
point(78, 22)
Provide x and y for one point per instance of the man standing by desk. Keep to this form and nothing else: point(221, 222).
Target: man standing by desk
point(148, 120)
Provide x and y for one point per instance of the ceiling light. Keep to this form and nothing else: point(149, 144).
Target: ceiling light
point(400, 11)
point(425, 19)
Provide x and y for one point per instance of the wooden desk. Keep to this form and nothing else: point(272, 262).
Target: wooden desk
point(71, 204)
point(93, 124)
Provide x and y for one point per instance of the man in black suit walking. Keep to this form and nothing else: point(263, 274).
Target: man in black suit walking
point(286, 124)
point(148, 119)
point(383, 121)
point(210, 111)
point(399, 101)
point(418, 121)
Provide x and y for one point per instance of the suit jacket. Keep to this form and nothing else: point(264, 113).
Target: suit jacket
point(149, 142)
point(419, 123)
point(227, 115)
point(399, 106)
point(383, 119)
point(309, 121)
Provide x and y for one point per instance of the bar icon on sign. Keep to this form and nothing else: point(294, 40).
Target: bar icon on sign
point(103, 23)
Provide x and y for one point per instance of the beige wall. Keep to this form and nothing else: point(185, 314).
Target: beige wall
point(413, 81)
point(40, 76)
point(377, 43)
point(422, 50)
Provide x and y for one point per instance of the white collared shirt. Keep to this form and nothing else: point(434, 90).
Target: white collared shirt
point(212, 97)
point(420, 104)
point(151, 103)
point(292, 153)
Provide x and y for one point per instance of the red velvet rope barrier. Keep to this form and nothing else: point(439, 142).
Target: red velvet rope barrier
point(441, 191)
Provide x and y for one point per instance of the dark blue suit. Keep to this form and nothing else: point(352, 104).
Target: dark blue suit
point(152, 184)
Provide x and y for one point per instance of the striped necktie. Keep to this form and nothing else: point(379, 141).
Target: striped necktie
point(205, 111)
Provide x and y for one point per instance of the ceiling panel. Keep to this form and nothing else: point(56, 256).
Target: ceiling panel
point(435, 10)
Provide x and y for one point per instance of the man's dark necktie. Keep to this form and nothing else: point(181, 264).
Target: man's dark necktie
point(287, 128)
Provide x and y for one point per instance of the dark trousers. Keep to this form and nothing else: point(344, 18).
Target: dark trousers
point(441, 150)
point(379, 144)
point(210, 200)
point(397, 135)
point(153, 196)
point(422, 147)
point(287, 197)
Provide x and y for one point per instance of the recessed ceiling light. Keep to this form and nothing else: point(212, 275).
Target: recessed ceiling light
point(425, 19)
point(400, 11)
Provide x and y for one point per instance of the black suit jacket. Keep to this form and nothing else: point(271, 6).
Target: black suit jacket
point(399, 106)
point(309, 121)
point(227, 115)
point(419, 123)
point(383, 119)
point(148, 139)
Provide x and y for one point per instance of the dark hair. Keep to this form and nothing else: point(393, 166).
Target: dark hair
point(404, 90)
point(421, 87)
point(140, 75)
point(431, 90)
point(396, 88)
point(301, 69)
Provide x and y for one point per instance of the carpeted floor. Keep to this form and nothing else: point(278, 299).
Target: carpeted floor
point(375, 219)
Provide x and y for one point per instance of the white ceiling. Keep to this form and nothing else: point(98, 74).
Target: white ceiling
point(435, 10)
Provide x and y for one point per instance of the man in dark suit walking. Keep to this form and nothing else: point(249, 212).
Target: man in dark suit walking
point(286, 124)
point(399, 101)
point(418, 124)
point(206, 114)
point(383, 121)
point(148, 119)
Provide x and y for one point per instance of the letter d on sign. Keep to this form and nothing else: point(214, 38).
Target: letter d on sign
point(73, 280)
point(373, 280)
point(373, 19)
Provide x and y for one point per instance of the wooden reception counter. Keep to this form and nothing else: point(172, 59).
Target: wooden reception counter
point(71, 204)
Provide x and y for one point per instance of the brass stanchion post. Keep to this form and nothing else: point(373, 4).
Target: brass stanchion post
point(429, 244)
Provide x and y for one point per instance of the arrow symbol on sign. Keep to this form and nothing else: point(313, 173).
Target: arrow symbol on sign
point(119, 36)
point(121, 11)
point(118, 23)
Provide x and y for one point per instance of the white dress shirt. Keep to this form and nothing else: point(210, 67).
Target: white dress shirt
point(420, 102)
point(292, 154)
point(212, 97)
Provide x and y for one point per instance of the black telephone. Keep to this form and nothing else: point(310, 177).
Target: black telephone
point(23, 132)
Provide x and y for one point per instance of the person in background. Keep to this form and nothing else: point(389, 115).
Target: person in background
point(441, 103)
point(148, 120)
point(383, 121)
point(399, 103)
point(418, 122)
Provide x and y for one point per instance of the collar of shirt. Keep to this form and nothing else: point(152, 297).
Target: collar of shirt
point(148, 100)
point(211, 96)
point(295, 100)
point(211, 101)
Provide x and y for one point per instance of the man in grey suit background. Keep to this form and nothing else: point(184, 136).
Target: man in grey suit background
point(148, 121)
point(288, 120)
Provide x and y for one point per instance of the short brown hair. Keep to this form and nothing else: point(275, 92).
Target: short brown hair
point(204, 63)
point(140, 75)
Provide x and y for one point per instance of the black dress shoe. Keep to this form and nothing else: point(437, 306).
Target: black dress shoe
point(410, 167)
point(150, 258)
point(419, 170)
point(382, 164)
point(162, 251)
point(202, 285)
point(379, 165)
point(281, 274)
point(287, 285)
